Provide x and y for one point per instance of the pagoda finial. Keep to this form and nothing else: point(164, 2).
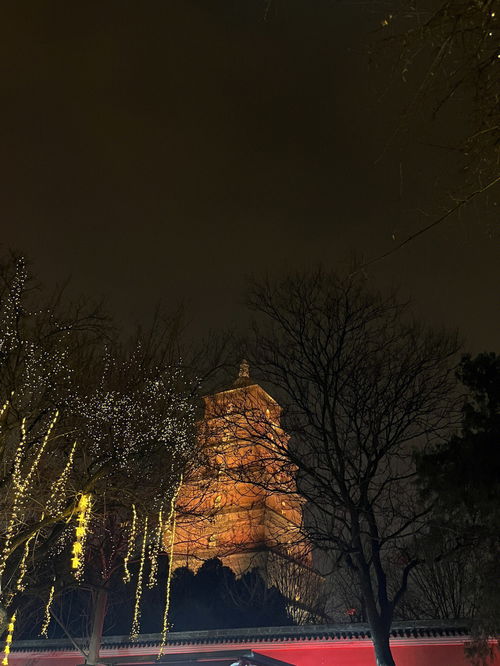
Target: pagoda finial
point(244, 369)
point(243, 378)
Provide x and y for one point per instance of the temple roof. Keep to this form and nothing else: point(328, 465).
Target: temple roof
point(242, 381)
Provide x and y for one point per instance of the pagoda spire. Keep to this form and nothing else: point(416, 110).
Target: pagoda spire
point(243, 378)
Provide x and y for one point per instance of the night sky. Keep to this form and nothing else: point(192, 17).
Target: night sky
point(164, 149)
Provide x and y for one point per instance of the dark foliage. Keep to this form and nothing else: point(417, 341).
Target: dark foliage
point(464, 477)
point(465, 472)
point(212, 598)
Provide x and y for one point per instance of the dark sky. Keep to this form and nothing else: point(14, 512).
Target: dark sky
point(164, 149)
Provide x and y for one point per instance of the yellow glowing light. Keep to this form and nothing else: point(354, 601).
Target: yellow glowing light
point(58, 489)
point(83, 503)
point(83, 515)
point(46, 621)
point(134, 633)
point(20, 586)
point(21, 486)
point(39, 454)
point(18, 493)
point(167, 589)
point(4, 407)
point(8, 640)
point(171, 524)
point(130, 546)
point(154, 552)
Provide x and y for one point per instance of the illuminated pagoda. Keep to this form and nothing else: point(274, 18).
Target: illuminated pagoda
point(227, 512)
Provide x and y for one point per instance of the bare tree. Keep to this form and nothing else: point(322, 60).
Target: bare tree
point(360, 387)
point(302, 586)
point(445, 55)
point(455, 44)
point(445, 587)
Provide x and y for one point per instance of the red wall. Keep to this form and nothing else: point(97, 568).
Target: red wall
point(363, 655)
point(409, 652)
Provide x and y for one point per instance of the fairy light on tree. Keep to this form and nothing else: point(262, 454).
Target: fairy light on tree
point(36, 343)
point(3, 408)
point(154, 552)
point(171, 524)
point(20, 584)
point(130, 546)
point(145, 427)
point(138, 593)
point(82, 520)
point(18, 490)
point(21, 485)
point(58, 494)
point(46, 622)
point(8, 640)
point(168, 586)
point(34, 466)
point(131, 424)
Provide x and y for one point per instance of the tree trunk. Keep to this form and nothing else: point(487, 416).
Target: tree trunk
point(383, 653)
point(4, 619)
point(100, 606)
point(379, 621)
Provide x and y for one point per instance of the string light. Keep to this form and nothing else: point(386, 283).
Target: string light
point(8, 640)
point(21, 485)
point(83, 515)
point(47, 617)
point(173, 502)
point(138, 593)
point(34, 466)
point(154, 552)
point(130, 546)
point(4, 407)
point(156, 412)
point(167, 589)
point(16, 500)
point(57, 495)
point(171, 524)
point(20, 585)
